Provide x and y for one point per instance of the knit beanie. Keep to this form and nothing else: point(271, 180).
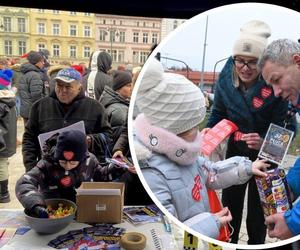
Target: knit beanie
point(252, 39)
point(34, 57)
point(120, 79)
point(5, 78)
point(71, 146)
point(169, 100)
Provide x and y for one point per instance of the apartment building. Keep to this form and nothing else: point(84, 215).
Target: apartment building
point(68, 35)
point(128, 39)
point(14, 31)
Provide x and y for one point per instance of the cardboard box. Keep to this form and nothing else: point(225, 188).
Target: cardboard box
point(100, 202)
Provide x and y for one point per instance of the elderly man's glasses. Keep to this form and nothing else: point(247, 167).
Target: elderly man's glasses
point(240, 63)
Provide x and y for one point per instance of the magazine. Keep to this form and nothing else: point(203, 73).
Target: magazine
point(142, 214)
point(45, 136)
point(276, 144)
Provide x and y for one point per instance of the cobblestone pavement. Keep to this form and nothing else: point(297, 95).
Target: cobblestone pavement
point(16, 169)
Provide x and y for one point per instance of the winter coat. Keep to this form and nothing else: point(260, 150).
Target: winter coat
point(16, 68)
point(252, 113)
point(8, 124)
point(116, 107)
point(31, 87)
point(98, 77)
point(49, 114)
point(173, 185)
point(49, 180)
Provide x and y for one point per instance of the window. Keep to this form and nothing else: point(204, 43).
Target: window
point(21, 25)
point(121, 22)
point(7, 24)
point(102, 35)
point(87, 31)
point(56, 29)
point(137, 24)
point(114, 22)
point(104, 21)
point(56, 50)
point(122, 37)
point(73, 51)
point(135, 37)
point(145, 37)
point(121, 56)
point(41, 47)
point(41, 10)
point(73, 13)
point(87, 14)
point(135, 57)
point(8, 47)
point(175, 24)
point(154, 38)
point(113, 34)
point(153, 25)
point(22, 47)
point(144, 24)
point(143, 57)
point(73, 30)
point(41, 28)
point(86, 51)
point(113, 54)
point(55, 11)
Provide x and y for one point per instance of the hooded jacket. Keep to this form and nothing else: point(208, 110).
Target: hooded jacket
point(31, 87)
point(252, 113)
point(116, 107)
point(49, 180)
point(81, 109)
point(98, 78)
point(8, 124)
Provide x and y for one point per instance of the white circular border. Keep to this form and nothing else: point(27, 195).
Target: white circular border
point(130, 131)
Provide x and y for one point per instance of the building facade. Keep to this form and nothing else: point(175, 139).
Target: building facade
point(14, 31)
point(168, 25)
point(68, 35)
point(128, 39)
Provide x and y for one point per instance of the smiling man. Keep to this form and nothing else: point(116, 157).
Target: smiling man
point(280, 65)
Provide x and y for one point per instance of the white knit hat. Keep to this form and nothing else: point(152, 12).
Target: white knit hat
point(170, 101)
point(252, 39)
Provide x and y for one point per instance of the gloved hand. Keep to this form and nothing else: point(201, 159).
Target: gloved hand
point(40, 211)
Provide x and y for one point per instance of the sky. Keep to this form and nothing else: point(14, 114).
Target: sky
point(186, 43)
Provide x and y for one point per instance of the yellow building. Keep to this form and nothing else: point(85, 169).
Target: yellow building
point(14, 31)
point(68, 35)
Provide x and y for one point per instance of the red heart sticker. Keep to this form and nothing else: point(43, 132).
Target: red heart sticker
point(257, 102)
point(266, 92)
point(68, 155)
point(196, 189)
point(66, 181)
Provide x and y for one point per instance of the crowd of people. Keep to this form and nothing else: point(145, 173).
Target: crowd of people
point(256, 87)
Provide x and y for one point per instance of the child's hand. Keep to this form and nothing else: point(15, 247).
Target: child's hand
point(258, 166)
point(224, 216)
point(204, 131)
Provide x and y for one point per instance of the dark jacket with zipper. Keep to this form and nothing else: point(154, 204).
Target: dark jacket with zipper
point(50, 114)
point(252, 112)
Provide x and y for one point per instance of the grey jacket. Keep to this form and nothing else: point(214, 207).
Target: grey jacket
point(116, 107)
point(31, 87)
point(173, 184)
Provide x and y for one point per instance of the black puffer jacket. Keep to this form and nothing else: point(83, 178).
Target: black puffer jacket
point(49, 114)
point(116, 107)
point(31, 87)
point(8, 124)
point(49, 180)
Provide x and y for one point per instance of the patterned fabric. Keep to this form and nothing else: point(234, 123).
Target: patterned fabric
point(68, 75)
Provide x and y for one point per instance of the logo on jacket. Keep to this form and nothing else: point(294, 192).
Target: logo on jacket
point(180, 152)
point(153, 140)
point(265, 92)
point(257, 102)
point(66, 181)
point(196, 189)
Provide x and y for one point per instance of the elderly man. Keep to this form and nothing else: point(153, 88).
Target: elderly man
point(280, 65)
point(63, 107)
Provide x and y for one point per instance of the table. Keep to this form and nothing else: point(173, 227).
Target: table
point(31, 240)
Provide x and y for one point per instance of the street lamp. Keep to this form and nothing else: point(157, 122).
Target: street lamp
point(113, 33)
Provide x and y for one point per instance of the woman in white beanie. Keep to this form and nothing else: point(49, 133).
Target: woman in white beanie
point(243, 97)
point(167, 145)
